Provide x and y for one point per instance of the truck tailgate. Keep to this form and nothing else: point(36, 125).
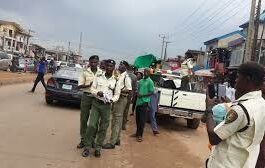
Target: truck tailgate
point(182, 99)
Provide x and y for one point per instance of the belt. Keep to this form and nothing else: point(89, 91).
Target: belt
point(100, 101)
point(124, 94)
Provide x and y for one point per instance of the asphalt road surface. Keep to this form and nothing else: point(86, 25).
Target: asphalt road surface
point(36, 135)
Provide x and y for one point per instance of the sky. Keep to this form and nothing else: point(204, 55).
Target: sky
point(125, 29)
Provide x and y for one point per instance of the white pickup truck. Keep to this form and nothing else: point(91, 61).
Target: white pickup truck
point(176, 101)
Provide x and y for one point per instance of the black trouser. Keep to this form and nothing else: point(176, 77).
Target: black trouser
point(39, 78)
point(141, 112)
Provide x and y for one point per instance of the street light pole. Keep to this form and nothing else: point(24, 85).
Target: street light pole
point(163, 43)
point(165, 54)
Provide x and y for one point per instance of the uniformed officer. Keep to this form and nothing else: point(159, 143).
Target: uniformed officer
point(107, 91)
point(133, 77)
point(238, 137)
point(120, 106)
point(84, 84)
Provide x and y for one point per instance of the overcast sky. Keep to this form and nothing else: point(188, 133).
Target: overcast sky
point(126, 28)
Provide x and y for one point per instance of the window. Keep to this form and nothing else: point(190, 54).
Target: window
point(10, 33)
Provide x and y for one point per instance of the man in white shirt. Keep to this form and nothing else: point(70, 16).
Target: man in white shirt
point(119, 106)
point(237, 139)
point(106, 90)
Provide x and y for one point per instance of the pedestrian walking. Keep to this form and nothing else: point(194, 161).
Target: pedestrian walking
point(106, 90)
point(139, 76)
point(237, 139)
point(153, 107)
point(133, 78)
point(145, 90)
point(41, 72)
point(120, 106)
point(26, 66)
point(84, 84)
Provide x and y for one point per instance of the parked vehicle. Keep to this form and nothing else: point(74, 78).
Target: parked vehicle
point(178, 99)
point(62, 86)
point(19, 64)
point(63, 64)
point(5, 61)
point(74, 65)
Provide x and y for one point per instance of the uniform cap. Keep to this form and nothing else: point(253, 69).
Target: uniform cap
point(125, 63)
point(110, 61)
point(93, 57)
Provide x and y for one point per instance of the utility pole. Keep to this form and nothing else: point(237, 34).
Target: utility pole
point(80, 44)
point(68, 55)
point(165, 54)
point(162, 36)
point(27, 47)
point(251, 25)
point(255, 54)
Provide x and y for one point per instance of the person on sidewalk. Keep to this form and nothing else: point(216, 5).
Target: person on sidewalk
point(133, 78)
point(41, 72)
point(139, 76)
point(145, 90)
point(153, 110)
point(120, 106)
point(243, 127)
point(84, 84)
point(106, 90)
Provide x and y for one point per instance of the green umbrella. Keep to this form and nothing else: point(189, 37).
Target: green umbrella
point(144, 61)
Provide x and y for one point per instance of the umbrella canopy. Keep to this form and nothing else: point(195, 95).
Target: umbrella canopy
point(204, 73)
point(144, 61)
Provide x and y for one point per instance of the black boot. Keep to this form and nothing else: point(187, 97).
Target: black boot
point(108, 146)
point(80, 145)
point(97, 153)
point(118, 143)
point(86, 153)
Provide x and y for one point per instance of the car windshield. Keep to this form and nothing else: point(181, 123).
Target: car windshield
point(69, 73)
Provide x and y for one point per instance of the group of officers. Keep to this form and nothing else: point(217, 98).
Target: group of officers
point(105, 92)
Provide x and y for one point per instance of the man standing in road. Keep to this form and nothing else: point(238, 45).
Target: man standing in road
point(41, 72)
point(119, 107)
point(84, 84)
point(133, 78)
point(107, 91)
point(238, 137)
point(145, 90)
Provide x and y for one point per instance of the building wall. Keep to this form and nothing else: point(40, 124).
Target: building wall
point(8, 27)
point(15, 41)
point(223, 43)
point(237, 54)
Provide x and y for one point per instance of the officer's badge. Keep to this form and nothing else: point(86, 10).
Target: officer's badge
point(231, 117)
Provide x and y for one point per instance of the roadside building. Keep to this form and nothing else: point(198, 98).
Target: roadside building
point(222, 49)
point(13, 38)
point(199, 57)
point(37, 51)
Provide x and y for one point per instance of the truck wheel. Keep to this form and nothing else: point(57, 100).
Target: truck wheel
point(48, 101)
point(193, 123)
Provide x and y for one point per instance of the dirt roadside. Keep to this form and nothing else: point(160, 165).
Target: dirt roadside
point(8, 78)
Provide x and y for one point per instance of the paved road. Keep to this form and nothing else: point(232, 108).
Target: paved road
point(35, 135)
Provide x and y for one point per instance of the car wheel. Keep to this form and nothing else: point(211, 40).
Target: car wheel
point(193, 123)
point(48, 100)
